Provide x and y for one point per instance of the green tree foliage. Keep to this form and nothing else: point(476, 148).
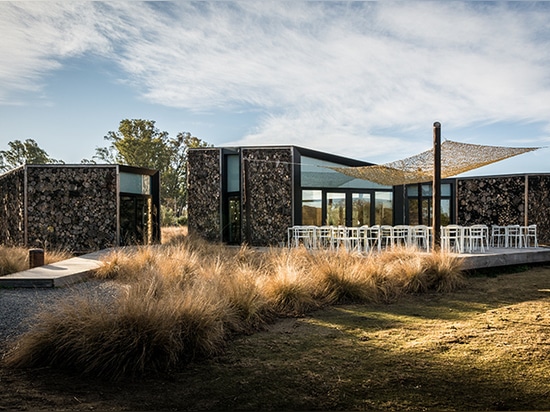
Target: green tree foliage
point(139, 143)
point(20, 153)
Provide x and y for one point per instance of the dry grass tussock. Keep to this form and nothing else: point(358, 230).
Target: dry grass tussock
point(185, 299)
point(16, 259)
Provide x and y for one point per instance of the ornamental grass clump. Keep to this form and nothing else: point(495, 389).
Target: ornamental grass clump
point(346, 278)
point(148, 329)
point(16, 259)
point(183, 301)
point(13, 259)
point(287, 283)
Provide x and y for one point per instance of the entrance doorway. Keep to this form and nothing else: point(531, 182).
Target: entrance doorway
point(135, 220)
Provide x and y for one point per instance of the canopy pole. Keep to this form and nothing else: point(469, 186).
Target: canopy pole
point(436, 188)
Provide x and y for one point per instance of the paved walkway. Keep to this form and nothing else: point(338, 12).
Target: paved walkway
point(57, 274)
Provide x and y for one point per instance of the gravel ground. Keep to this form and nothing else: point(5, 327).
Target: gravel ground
point(19, 305)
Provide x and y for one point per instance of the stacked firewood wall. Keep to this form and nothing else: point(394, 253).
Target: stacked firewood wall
point(204, 193)
point(12, 206)
point(539, 206)
point(267, 182)
point(503, 200)
point(73, 208)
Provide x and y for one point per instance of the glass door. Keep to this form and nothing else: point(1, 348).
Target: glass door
point(360, 206)
point(336, 209)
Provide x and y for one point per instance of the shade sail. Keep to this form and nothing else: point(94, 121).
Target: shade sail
point(456, 158)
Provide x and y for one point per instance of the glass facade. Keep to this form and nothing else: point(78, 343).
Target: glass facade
point(336, 209)
point(332, 198)
point(135, 183)
point(312, 207)
point(384, 208)
point(317, 173)
point(419, 208)
point(361, 204)
point(233, 173)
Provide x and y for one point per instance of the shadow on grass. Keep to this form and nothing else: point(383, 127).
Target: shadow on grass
point(425, 352)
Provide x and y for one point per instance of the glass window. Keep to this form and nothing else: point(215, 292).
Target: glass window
point(312, 203)
point(233, 175)
point(413, 212)
point(412, 191)
point(446, 189)
point(426, 190)
point(134, 183)
point(336, 209)
point(445, 212)
point(384, 208)
point(360, 209)
point(316, 173)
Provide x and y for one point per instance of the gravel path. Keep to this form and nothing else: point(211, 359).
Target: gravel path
point(19, 305)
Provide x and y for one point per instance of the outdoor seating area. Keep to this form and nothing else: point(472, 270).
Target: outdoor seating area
point(454, 238)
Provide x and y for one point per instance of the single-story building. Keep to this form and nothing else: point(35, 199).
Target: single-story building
point(80, 208)
point(253, 195)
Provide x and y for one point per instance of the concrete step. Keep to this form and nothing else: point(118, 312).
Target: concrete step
point(56, 274)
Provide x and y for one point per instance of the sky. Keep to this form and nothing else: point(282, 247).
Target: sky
point(362, 79)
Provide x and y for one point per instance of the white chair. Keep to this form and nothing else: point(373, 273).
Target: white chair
point(338, 237)
point(530, 233)
point(475, 238)
point(420, 237)
point(353, 239)
point(303, 235)
point(323, 235)
point(372, 238)
point(386, 236)
point(452, 238)
point(498, 236)
point(401, 236)
point(513, 236)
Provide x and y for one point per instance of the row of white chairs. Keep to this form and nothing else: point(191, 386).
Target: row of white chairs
point(454, 238)
point(359, 239)
point(515, 236)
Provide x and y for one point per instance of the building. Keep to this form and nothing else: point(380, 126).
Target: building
point(253, 194)
point(80, 208)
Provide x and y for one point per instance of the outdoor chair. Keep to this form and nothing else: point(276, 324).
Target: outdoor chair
point(530, 233)
point(401, 235)
point(475, 238)
point(452, 238)
point(372, 238)
point(303, 235)
point(323, 236)
point(513, 236)
point(498, 236)
point(420, 237)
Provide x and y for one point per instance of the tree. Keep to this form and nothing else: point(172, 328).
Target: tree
point(139, 143)
point(175, 178)
point(20, 153)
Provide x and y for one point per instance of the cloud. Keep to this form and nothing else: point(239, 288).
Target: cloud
point(355, 76)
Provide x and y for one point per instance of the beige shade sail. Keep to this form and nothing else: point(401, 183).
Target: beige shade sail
point(456, 158)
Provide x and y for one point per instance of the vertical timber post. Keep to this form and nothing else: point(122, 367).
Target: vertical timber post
point(436, 187)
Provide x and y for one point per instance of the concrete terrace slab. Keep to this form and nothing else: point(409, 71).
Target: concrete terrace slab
point(56, 274)
point(496, 257)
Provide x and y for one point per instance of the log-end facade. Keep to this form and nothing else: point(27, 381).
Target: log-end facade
point(251, 195)
point(79, 208)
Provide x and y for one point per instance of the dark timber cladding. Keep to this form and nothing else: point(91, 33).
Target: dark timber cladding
point(80, 208)
point(506, 200)
point(204, 193)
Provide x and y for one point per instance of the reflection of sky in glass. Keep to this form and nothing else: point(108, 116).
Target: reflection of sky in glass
point(316, 173)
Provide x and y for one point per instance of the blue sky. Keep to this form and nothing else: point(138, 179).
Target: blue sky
point(360, 79)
